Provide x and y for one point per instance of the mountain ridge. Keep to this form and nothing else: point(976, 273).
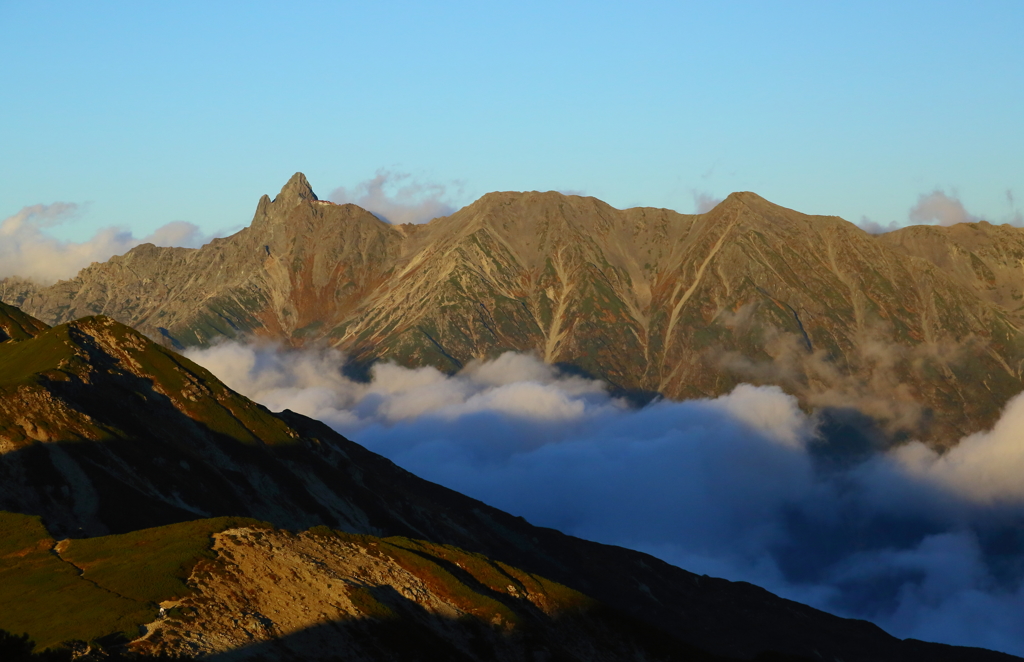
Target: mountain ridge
point(647, 299)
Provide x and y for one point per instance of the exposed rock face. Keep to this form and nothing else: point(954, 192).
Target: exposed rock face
point(103, 431)
point(14, 290)
point(898, 327)
point(300, 263)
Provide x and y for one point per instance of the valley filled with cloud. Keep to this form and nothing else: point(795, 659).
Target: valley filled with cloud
point(746, 486)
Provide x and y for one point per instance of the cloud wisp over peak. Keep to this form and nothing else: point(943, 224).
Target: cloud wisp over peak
point(939, 208)
point(398, 197)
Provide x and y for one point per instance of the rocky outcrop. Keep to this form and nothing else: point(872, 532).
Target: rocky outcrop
point(14, 289)
point(318, 594)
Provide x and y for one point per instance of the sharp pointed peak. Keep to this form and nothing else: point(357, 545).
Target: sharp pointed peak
point(296, 189)
point(744, 197)
point(751, 201)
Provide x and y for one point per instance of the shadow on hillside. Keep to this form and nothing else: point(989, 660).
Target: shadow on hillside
point(158, 466)
point(410, 633)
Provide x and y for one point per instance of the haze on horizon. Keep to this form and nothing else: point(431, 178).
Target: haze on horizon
point(136, 116)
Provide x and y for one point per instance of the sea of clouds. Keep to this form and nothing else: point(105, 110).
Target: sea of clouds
point(745, 486)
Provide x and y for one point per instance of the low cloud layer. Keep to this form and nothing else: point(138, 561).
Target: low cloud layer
point(876, 381)
point(29, 251)
point(397, 198)
point(745, 486)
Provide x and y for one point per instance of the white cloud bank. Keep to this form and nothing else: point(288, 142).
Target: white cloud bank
point(29, 251)
point(745, 486)
point(986, 467)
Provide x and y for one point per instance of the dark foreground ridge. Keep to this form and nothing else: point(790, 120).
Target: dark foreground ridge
point(106, 435)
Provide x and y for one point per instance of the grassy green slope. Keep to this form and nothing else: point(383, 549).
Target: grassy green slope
point(150, 565)
point(46, 597)
point(96, 587)
point(67, 351)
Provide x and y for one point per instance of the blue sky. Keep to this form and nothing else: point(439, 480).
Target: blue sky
point(146, 113)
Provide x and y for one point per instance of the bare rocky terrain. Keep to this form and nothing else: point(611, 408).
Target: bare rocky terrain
point(918, 329)
point(986, 258)
point(314, 595)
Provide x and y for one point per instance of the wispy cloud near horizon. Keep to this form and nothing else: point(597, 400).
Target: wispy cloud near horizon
point(703, 202)
point(939, 208)
point(874, 227)
point(398, 197)
point(28, 251)
point(745, 486)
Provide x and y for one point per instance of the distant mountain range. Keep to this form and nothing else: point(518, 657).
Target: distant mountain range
point(919, 329)
point(140, 492)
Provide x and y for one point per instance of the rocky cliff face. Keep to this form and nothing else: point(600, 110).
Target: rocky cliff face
point(103, 431)
point(907, 328)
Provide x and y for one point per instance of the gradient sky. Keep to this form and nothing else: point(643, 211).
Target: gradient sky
point(146, 113)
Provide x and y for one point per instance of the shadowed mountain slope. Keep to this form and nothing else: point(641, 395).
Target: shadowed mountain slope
point(103, 431)
point(236, 589)
point(648, 299)
point(16, 325)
